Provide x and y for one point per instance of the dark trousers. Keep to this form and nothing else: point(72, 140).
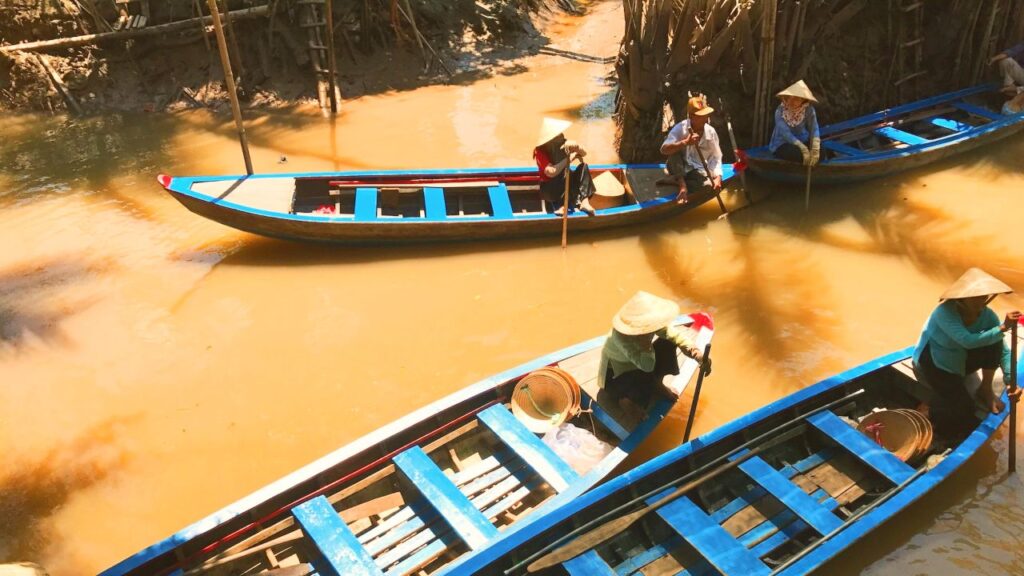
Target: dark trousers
point(581, 186)
point(696, 181)
point(638, 385)
point(952, 407)
point(789, 152)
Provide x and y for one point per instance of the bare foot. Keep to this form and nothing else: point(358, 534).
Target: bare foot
point(586, 207)
point(560, 210)
point(997, 406)
point(681, 198)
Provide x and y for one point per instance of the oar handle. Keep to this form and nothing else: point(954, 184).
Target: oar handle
point(696, 392)
point(707, 172)
point(1012, 464)
point(565, 199)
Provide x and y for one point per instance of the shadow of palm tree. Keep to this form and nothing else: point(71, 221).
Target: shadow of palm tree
point(27, 312)
point(32, 492)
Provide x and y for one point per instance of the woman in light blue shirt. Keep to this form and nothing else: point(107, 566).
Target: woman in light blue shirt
point(796, 137)
point(963, 335)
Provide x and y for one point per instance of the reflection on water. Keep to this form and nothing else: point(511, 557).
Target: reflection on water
point(224, 356)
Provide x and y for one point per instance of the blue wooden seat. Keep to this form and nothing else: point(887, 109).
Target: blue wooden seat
point(500, 203)
point(780, 528)
point(444, 496)
point(433, 200)
point(756, 493)
point(527, 446)
point(712, 541)
point(840, 148)
point(366, 204)
point(605, 418)
point(589, 563)
point(791, 495)
point(901, 136)
point(341, 551)
point(978, 111)
point(865, 449)
point(953, 125)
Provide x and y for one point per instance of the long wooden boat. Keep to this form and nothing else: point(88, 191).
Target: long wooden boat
point(899, 138)
point(393, 207)
point(441, 483)
point(791, 485)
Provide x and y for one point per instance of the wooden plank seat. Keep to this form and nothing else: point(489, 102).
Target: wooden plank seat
point(791, 495)
point(366, 204)
point(901, 136)
point(782, 527)
point(527, 446)
point(589, 563)
point(757, 492)
point(978, 111)
point(948, 124)
point(606, 419)
point(433, 199)
point(865, 449)
point(501, 205)
point(840, 148)
point(467, 521)
point(341, 553)
point(712, 541)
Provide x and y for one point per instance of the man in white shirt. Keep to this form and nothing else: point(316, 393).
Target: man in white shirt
point(682, 145)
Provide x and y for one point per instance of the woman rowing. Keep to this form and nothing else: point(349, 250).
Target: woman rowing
point(796, 137)
point(963, 335)
point(553, 155)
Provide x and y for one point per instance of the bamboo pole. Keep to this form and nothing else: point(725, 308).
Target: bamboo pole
point(229, 79)
point(235, 53)
point(331, 64)
point(125, 34)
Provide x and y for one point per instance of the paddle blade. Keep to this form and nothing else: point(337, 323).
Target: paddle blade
point(586, 541)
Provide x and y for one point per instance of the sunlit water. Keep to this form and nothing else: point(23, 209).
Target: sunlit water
point(155, 366)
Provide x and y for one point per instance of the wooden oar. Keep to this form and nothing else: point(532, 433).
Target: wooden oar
point(1013, 401)
point(675, 482)
point(565, 201)
point(707, 172)
point(696, 392)
point(807, 191)
point(732, 140)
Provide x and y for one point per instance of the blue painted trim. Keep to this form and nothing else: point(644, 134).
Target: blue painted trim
point(841, 148)
point(791, 495)
point(527, 446)
point(433, 202)
point(588, 564)
point(866, 450)
point(342, 553)
point(501, 205)
point(782, 527)
point(366, 205)
point(606, 419)
point(951, 124)
point(468, 522)
point(901, 136)
point(709, 539)
point(978, 111)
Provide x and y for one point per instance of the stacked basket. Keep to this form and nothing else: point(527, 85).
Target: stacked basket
point(905, 433)
point(546, 398)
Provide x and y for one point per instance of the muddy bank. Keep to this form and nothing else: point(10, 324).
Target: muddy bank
point(380, 45)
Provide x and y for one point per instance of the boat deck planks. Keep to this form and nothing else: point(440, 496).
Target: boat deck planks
point(269, 194)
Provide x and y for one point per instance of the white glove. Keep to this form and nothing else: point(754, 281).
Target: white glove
point(804, 152)
point(815, 151)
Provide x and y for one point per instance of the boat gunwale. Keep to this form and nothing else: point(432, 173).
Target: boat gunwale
point(326, 463)
point(982, 433)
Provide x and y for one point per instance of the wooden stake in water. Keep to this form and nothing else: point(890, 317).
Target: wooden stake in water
point(229, 79)
point(332, 69)
point(1013, 401)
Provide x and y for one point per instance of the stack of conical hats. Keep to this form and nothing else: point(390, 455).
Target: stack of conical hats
point(545, 398)
point(905, 433)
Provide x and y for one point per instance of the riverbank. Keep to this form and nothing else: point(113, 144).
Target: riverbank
point(437, 42)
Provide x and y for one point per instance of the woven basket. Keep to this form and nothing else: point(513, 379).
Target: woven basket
point(899, 433)
point(546, 398)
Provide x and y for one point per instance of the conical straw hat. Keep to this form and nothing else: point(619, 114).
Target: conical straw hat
point(975, 282)
point(544, 399)
point(550, 128)
point(896, 431)
point(800, 90)
point(644, 313)
point(606, 184)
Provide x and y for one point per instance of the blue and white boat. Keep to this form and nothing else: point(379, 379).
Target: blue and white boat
point(404, 207)
point(779, 491)
point(444, 482)
point(899, 138)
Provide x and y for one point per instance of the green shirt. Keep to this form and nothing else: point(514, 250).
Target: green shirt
point(625, 353)
point(950, 339)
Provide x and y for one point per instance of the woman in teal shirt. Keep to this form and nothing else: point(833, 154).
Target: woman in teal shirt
point(963, 335)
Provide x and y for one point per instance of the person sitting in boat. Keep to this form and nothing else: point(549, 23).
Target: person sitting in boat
point(1011, 67)
point(796, 137)
point(553, 155)
point(963, 335)
point(1014, 105)
point(686, 144)
point(640, 352)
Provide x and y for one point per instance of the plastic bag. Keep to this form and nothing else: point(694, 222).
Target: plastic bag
point(577, 446)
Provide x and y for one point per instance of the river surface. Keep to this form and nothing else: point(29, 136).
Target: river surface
point(155, 366)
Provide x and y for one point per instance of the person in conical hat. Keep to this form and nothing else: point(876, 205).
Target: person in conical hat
point(796, 136)
point(640, 351)
point(681, 144)
point(553, 155)
point(963, 335)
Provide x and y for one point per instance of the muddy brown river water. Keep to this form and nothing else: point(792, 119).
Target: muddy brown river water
point(155, 366)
